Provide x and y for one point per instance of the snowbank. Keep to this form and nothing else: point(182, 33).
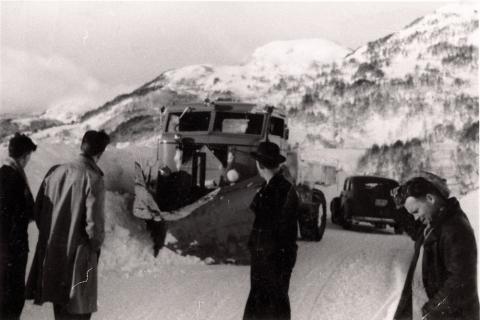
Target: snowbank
point(128, 247)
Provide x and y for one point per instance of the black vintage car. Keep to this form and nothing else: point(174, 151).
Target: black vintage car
point(365, 199)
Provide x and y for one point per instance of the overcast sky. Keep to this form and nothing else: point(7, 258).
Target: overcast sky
point(73, 52)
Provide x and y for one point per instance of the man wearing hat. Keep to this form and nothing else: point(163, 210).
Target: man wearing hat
point(442, 278)
point(272, 241)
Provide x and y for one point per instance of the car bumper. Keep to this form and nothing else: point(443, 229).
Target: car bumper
point(374, 220)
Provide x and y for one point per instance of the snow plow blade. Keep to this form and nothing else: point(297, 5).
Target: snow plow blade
point(219, 228)
point(217, 225)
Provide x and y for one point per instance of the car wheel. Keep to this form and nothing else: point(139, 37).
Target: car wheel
point(335, 210)
point(346, 221)
point(322, 219)
point(398, 229)
point(334, 217)
point(346, 215)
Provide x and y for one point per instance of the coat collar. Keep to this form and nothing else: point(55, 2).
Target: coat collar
point(274, 180)
point(83, 158)
point(13, 164)
point(451, 209)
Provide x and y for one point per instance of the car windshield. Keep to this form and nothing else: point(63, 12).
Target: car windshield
point(189, 121)
point(235, 122)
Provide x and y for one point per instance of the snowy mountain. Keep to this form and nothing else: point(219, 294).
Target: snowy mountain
point(402, 86)
point(418, 83)
point(70, 110)
point(267, 65)
point(139, 111)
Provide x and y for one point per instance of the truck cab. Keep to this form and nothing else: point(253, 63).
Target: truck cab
point(215, 129)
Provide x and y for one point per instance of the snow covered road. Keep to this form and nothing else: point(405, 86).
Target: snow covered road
point(348, 275)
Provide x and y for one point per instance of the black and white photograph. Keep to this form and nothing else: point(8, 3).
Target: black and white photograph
point(239, 160)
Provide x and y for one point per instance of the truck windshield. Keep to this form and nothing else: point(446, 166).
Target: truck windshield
point(236, 122)
point(190, 121)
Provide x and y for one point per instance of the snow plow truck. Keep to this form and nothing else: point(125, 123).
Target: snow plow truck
point(206, 208)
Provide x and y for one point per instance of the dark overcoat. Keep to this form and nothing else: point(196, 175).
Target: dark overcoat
point(449, 267)
point(69, 212)
point(16, 211)
point(273, 249)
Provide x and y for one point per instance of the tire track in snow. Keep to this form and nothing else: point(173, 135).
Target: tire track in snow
point(347, 276)
point(320, 261)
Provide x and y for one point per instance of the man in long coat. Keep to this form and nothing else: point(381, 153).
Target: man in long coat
point(16, 212)
point(442, 279)
point(69, 212)
point(273, 238)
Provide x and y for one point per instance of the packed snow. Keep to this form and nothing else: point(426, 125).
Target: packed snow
point(333, 280)
point(128, 247)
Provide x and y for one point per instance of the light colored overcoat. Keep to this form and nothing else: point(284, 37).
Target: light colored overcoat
point(69, 212)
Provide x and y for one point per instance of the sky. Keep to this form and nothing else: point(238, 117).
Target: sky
point(85, 53)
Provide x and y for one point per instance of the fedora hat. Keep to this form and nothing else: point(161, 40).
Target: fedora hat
point(268, 153)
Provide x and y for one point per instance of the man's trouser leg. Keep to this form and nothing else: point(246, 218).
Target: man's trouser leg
point(13, 285)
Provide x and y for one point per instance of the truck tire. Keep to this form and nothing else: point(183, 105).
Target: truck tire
point(311, 213)
point(309, 222)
